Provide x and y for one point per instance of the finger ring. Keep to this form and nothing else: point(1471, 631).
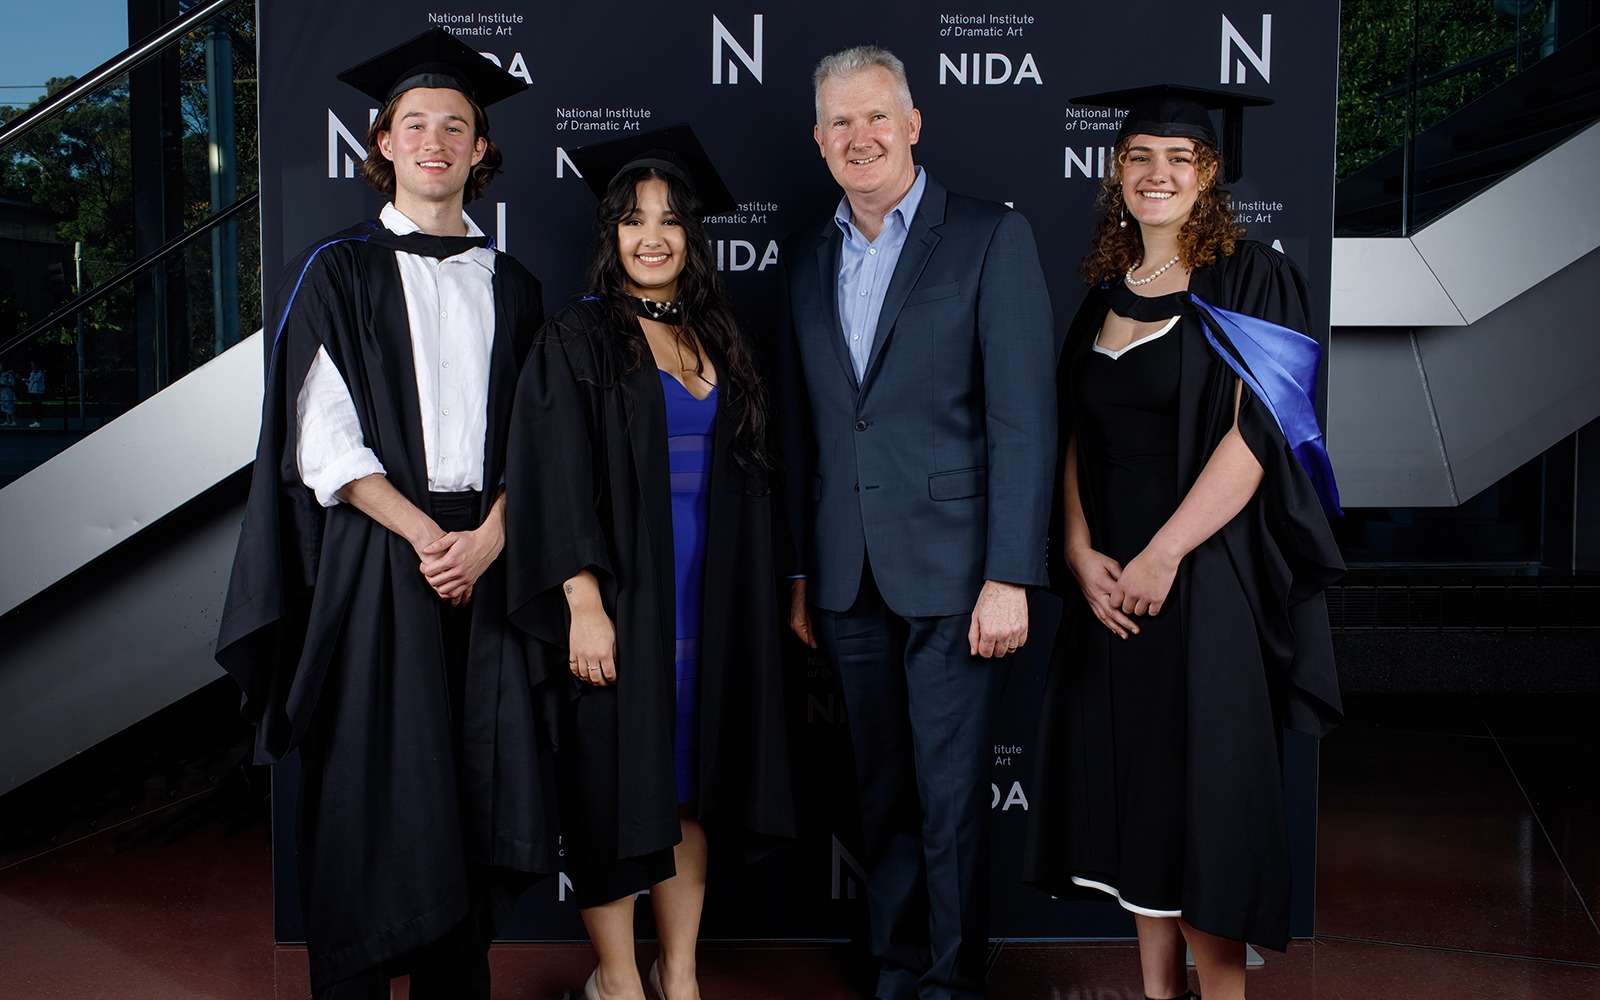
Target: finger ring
point(573, 660)
point(1011, 647)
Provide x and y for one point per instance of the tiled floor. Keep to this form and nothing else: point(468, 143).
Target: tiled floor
point(1459, 857)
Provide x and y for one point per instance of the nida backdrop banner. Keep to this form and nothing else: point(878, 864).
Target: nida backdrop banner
point(993, 83)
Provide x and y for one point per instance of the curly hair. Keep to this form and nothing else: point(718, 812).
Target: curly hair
point(379, 169)
point(1210, 231)
point(702, 303)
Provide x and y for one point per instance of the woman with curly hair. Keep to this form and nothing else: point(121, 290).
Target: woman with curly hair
point(1196, 550)
point(639, 557)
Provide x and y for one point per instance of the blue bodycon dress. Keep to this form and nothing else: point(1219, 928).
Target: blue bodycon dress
point(690, 423)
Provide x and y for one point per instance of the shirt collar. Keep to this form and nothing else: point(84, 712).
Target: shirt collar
point(906, 208)
point(398, 223)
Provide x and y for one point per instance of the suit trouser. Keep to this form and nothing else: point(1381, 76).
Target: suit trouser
point(921, 710)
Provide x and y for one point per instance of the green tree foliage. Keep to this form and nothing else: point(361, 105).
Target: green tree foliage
point(78, 165)
point(1463, 49)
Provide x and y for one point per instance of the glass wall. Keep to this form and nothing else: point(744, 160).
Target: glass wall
point(1439, 98)
point(116, 275)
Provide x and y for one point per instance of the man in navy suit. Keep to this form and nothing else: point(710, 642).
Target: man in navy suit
point(917, 394)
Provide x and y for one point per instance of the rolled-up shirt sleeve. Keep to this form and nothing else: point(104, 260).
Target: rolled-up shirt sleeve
point(330, 450)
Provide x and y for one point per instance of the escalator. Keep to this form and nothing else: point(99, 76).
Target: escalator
point(121, 488)
point(1463, 343)
point(1488, 138)
point(1464, 360)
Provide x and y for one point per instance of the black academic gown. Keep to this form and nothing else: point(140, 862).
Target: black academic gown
point(1258, 655)
point(587, 482)
point(334, 636)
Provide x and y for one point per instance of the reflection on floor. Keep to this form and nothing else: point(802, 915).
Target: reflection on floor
point(1459, 857)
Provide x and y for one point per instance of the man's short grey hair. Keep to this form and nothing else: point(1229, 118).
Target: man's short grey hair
point(851, 61)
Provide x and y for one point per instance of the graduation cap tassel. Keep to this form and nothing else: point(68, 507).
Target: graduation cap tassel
point(1232, 144)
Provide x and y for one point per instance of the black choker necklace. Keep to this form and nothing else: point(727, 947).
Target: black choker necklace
point(652, 309)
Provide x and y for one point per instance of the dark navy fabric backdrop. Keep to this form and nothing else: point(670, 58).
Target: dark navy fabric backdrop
point(992, 82)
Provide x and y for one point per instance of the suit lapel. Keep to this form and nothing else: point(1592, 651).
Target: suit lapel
point(828, 249)
point(919, 245)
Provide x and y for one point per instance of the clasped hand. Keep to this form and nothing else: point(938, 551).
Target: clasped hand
point(1118, 594)
point(453, 562)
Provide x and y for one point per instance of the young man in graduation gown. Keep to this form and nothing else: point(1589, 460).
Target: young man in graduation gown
point(919, 441)
point(365, 618)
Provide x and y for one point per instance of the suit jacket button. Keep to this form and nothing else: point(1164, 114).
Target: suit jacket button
point(861, 425)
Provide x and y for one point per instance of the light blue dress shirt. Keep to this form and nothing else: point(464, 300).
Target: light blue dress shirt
point(865, 267)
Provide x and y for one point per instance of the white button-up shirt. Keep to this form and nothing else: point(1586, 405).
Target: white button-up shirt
point(450, 309)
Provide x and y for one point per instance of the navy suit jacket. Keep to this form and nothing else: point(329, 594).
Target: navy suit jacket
point(938, 464)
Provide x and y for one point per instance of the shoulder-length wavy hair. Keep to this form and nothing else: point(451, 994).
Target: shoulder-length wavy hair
point(379, 170)
point(702, 308)
point(1209, 233)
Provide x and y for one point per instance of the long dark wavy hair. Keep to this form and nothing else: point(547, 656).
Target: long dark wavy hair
point(702, 305)
point(1209, 232)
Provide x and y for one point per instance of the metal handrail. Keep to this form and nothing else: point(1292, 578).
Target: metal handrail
point(119, 279)
point(136, 55)
point(1438, 76)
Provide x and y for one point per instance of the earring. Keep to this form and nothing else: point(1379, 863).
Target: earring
point(1122, 223)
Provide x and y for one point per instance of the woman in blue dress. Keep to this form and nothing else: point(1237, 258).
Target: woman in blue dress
point(639, 555)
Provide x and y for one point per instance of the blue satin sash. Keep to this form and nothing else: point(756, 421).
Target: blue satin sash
point(1280, 367)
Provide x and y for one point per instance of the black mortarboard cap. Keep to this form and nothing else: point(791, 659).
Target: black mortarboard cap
point(673, 149)
point(1170, 110)
point(435, 58)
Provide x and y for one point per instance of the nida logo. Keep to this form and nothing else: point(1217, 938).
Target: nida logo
point(727, 53)
point(848, 877)
point(986, 69)
point(346, 149)
point(1091, 162)
point(1234, 47)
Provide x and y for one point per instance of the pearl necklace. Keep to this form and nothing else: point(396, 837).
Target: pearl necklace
point(655, 309)
point(1136, 282)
